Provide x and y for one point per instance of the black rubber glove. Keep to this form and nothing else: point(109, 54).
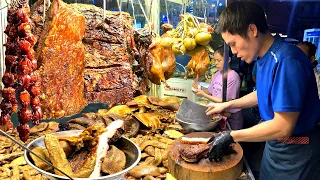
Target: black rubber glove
point(220, 145)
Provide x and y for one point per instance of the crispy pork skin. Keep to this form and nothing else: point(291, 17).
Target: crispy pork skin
point(61, 56)
point(103, 146)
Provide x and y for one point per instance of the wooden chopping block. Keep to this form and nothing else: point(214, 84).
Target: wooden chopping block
point(229, 168)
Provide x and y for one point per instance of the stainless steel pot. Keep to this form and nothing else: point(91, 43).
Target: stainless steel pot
point(132, 151)
point(192, 117)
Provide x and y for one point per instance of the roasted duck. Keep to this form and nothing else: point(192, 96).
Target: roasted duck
point(21, 81)
point(164, 61)
point(198, 64)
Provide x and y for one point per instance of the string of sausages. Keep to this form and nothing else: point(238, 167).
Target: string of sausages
point(21, 81)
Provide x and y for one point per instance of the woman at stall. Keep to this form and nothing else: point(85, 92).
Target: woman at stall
point(214, 91)
point(286, 95)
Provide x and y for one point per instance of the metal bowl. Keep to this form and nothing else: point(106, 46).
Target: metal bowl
point(192, 117)
point(131, 150)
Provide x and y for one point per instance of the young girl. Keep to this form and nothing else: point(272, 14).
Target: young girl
point(214, 92)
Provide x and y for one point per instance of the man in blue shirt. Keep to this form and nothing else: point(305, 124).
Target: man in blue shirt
point(254, 73)
point(286, 95)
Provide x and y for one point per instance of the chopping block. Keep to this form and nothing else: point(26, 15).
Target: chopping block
point(229, 168)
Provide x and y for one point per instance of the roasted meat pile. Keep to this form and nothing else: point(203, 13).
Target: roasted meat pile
point(108, 63)
point(21, 81)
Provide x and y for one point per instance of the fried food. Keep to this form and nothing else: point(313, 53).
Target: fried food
point(144, 170)
point(20, 161)
point(173, 134)
point(152, 120)
point(159, 102)
point(88, 165)
point(67, 148)
point(39, 128)
point(42, 152)
point(9, 157)
point(15, 173)
point(57, 156)
point(120, 110)
point(114, 161)
point(142, 103)
point(153, 143)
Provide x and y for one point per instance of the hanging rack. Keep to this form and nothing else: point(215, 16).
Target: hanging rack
point(127, 5)
point(204, 9)
point(150, 10)
point(182, 8)
point(104, 9)
point(119, 7)
point(144, 14)
point(165, 1)
point(134, 18)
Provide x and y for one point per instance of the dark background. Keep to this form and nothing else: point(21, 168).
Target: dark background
point(291, 17)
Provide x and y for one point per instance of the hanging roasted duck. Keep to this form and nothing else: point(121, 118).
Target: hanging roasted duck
point(164, 61)
point(198, 64)
point(21, 81)
point(192, 38)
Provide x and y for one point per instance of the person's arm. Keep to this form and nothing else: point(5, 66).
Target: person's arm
point(246, 101)
point(281, 125)
point(211, 98)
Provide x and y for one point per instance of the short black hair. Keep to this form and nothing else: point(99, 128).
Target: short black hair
point(237, 17)
point(312, 49)
point(220, 50)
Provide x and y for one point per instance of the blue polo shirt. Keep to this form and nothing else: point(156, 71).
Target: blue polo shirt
point(286, 83)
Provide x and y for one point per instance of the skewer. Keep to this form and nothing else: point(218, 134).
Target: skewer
point(127, 5)
point(165, 1)
point(132, 6)
point(27, 149)
point(104, 10)
point(144, 13)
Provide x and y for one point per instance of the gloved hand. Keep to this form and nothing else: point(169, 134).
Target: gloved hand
point(220, 145)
